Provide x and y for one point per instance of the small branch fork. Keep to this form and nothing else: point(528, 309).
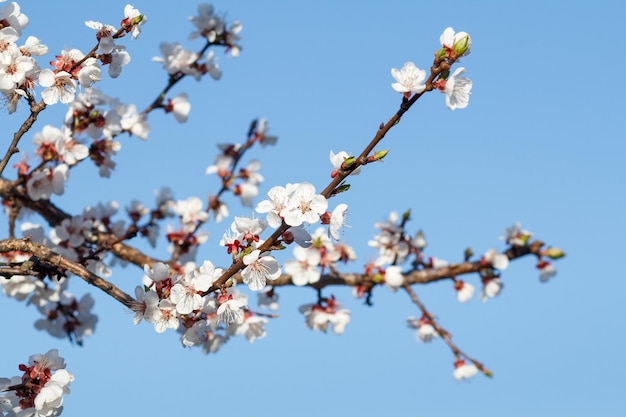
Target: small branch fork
point(444, 334)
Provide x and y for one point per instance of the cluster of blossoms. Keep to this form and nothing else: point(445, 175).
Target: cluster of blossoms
point(395, 247)
point(75, 239)
point(410, 79)
point(97, 116)
point(214, 29)
point(19, 71)
point(184, 240)
point(91, 123)
point(294, 204)
point(324, 313)
point(73, 66)
point(38, 392)
point(518, 238)
point(297, 205)
point(60, 149)
point(244, 183)
point(178, 61)
point(64, 316)
point(243, 239)
point(180, 301)
point(320, 256)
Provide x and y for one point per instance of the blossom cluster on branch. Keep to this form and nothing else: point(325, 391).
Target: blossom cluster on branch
point(199, 299)
point(38, 391)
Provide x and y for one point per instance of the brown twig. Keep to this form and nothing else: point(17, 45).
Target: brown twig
point(423, 276)
point(35, 109)
point(445, 335)
point(53, 259)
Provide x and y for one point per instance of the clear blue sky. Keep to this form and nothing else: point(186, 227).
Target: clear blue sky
point(541, 142)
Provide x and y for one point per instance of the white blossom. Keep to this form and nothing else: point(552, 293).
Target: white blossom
point(133, 15)
point(464, 370)
point(133, 122)
point(165, 316)
point(45, 182)
point(409, 79)
point(61, 87)
point(464, 291)
point(491, 288)
point(231, 310)
point(304, 269)
point(393, 277)
point(303, 205)
point(186, 293)
point(497, 260)
point(449, 38)
point(180, 107)
point(253, 327)
point(425, 330)
point(14, 17)
point(546, 271)
point(337, 220)
point(89, 73)
point(260, 267)
point(457, 90)
point(104, 35)
point(275, 205)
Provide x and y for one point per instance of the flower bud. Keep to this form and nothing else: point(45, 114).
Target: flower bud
point(348, 162)
point(138, 19)
point(381, 154)
point(553, 253)
point(461, 46)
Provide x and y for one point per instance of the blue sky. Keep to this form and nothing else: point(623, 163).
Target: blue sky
point(541, 143)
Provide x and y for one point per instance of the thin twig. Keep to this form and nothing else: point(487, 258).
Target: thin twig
point(445, 335)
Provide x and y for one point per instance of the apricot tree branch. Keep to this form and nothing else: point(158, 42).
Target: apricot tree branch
point(54, 260)
point(422, 276)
